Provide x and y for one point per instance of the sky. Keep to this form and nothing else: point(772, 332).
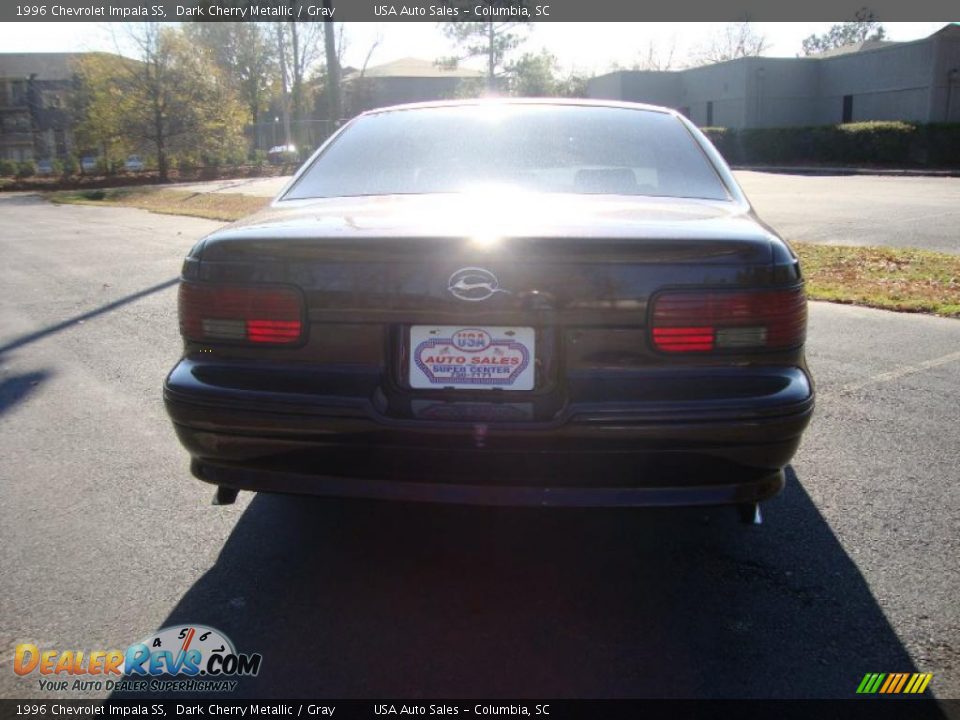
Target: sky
point(587, 48)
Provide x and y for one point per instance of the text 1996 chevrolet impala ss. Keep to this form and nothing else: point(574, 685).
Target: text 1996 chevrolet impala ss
point(498, 302)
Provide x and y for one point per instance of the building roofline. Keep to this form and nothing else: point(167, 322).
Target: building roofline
point(892, 45)
point(46, 66)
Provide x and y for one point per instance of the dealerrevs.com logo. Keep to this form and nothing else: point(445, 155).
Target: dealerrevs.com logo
point(192, 658)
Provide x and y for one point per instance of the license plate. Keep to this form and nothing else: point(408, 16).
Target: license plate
point(471, 358)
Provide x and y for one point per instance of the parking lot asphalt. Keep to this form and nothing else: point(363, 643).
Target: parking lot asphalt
point(104, 536)
point(894, 211)
point(888, 210)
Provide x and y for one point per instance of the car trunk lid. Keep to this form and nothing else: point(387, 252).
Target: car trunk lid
point(582, 259)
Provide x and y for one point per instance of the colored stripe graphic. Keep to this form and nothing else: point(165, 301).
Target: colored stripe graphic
point(918, 683)
point(903, 680)
point(894, 683)
point(870, 683)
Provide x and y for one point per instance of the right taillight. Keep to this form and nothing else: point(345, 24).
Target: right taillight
point(263, 315)
point(691, 321)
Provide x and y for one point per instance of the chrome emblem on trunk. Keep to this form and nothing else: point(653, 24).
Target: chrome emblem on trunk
point(474, 284)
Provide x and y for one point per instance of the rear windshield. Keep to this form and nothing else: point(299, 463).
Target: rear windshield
point(543, 148)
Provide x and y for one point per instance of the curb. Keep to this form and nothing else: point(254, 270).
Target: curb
point(815, 170)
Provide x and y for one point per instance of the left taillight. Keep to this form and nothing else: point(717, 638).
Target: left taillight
point(240, 313)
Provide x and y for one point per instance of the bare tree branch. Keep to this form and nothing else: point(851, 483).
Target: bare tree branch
point(735, 40)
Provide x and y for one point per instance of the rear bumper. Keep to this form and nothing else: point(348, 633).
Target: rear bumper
point(610, 454)
point(748, 486)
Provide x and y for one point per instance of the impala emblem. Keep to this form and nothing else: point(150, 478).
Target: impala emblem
point(474, 284)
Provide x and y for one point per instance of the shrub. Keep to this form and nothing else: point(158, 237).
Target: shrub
point(941, 144)
point(186, 165)
point(724, 139)
point(258, 162)
point(26, 169)
point(70, 165)
point(769, 145)
point(236, 156)
point(878, 143)
point(7, 168)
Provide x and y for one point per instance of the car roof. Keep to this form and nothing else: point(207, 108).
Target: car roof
point(499, 101)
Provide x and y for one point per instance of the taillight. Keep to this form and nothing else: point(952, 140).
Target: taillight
point(707, 320)
point(268, 315)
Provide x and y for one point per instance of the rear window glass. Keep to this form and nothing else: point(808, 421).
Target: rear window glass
point(544, 148)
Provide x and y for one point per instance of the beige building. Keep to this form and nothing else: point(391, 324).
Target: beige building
point(403, 81)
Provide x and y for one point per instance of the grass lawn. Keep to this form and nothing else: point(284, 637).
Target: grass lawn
point(214, 206)
point(889, 278)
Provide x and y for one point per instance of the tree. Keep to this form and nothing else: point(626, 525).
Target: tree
point(534, 75)
point(357, 91)
point(280, 35)
point(538, 75)
point(304, 54)
point(334, 101)
point(244, 54)
point(735, 40)
point(573, 85)
point(492, 40)
point(298, 51)
point(655, 57)
point(170, 97)
point(99, 105)
point(865, 26)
